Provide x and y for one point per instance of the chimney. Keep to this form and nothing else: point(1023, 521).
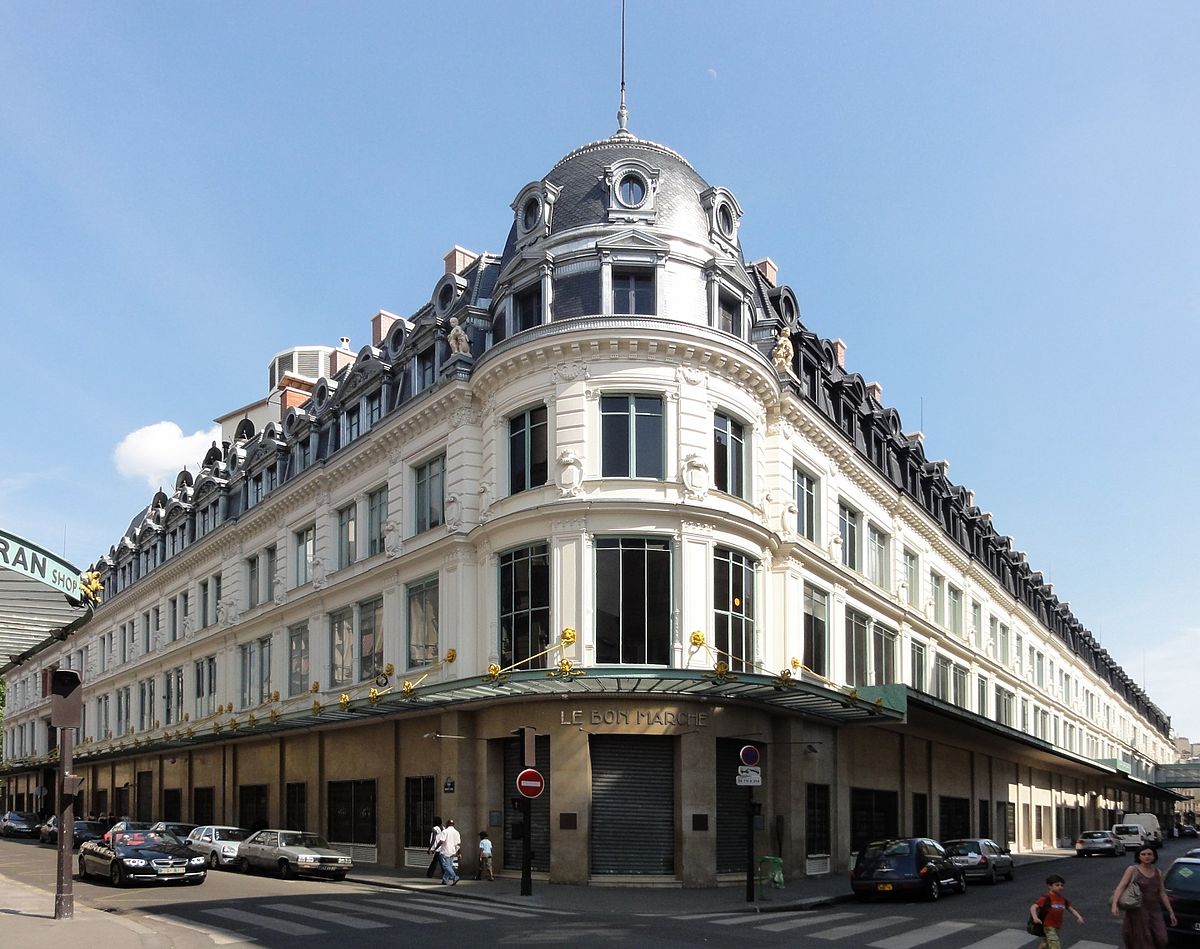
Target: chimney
point(767, 268)
point(293, 398)
point(341, 357)
point(459, 259)
point(381, 323)
point(839, 350)
point(875, 391)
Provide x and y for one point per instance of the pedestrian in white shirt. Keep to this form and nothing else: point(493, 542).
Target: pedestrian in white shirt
point(448, 846)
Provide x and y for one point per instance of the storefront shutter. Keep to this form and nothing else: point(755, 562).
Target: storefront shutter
point(633, 804)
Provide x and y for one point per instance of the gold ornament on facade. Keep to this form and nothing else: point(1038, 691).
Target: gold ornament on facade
point(274, 715)
point(493, 673)
point(796, 663)
point(233, 724)
point(451, 655)
point(567, 636)
point(216, 728)
point(373, 695)
point(407, 688)
point(275, 696)
point(315, 687)
point(344, 700)
point(389, 669)
point(316, 707)
point(251, 719)
point(697, 639)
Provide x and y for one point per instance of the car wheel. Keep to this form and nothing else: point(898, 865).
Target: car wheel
point(340, 875)
point(116, 875)
point(213, 860)
point(243, 865)
point(994, 878)
point(285, 870)
point(1011, 869)
point(82, 869)
point(962, 883)
point(934, 891)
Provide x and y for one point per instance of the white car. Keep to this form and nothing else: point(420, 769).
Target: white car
point(219, 844)
point(292, 853)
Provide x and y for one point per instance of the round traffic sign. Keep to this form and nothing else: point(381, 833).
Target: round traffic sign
point(530, 783)
point(749, 754)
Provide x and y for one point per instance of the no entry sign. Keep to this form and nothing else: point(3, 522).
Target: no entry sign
point(530, 783)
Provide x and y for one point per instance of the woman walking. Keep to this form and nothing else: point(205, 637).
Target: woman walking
point(1143, 926)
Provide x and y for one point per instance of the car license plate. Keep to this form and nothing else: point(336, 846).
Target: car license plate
point(171, 870)
point(883, 886)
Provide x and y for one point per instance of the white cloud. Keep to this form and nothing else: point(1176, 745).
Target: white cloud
point(157, 452)
point(712, 73)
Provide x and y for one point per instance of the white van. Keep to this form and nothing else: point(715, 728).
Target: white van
point(1133, 836)
point(1154, 835)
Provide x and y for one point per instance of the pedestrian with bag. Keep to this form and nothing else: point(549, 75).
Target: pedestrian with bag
point(448, 846)
point(436, 863)
point(1143, 898)
point(1047, 911)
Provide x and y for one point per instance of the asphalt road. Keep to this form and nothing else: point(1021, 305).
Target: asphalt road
point(236, 909)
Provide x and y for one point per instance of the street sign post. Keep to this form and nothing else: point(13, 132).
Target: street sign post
point(748, 776)
point(530, 783)
point(65, 715)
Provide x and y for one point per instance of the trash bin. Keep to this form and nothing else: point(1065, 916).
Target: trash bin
point(770, 873)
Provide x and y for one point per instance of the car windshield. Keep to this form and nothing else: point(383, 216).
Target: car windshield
point(301, 840)
point(29, 817)
point(960, 848)
point(1128, 829)
point(89, 825)
point(1184, 878)
point(1095, 835)
point(146, 838)
point(229, 833)
point(887, 848)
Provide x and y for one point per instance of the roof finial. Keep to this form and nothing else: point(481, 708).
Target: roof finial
point(622, 113)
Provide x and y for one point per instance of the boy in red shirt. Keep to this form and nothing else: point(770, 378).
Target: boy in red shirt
point(1049, 910)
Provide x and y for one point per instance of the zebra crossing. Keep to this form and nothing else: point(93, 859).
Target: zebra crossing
point(333, 916)
point(864, 931)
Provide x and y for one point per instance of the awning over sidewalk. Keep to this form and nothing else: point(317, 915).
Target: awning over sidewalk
point(40, 597)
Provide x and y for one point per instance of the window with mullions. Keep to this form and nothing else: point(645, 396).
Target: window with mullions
point(870, 651)
point(917, 661)
point(816, 630)
point(912, 578)
point(370, 638)
point(527, 452)
point(733, 601)
point(426, 369)
point(423, 622)
point(305, 546)
point(631, 436)
point(817, 820)
point(206, 686)
point(298, 673)
point(729, 314)
point(524, 604)
point(633, 601)
point(431, 478)
point(729, 455)
point(527, 308)
point(877, 557)
point(804, 492)
point(377, 515)
point(959, 694)
point(347, 535)
point(341, 647)
point(633, 291)
point(848, 528)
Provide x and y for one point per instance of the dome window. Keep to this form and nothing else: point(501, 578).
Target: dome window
point(445, 296)
point(447, 292)
point(632, 187)
point(724, 217)
point(534, 210)
point(725, 220)
point(530, 213)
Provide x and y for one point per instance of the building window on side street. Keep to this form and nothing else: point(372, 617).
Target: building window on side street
point(733, 601)
point(631, 436)
point(524, 605)
point(430, 497)
point(633, 600)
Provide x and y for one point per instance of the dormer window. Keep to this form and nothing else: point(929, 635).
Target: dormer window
point(425, 368)
point(531, 212)
point(534, 211)
point(632, 187)
point(724, 217)
point(729, 314)
point(447, 293)
point(527, 308)
point(633, 290)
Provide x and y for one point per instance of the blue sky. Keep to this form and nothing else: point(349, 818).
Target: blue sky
point(996, 206)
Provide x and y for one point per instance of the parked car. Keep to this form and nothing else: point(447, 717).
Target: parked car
point(173, 827)
point(219, 845)
point(908, 865)
point(1182, 881)
point(981, 858)
point(1131, 835)
point(123, 825)
point(1187, 830)
point(290, 853)
point(141, 856)
point(19, 824)
point(1149, 824)
point(83, 831)
point(1103, 842)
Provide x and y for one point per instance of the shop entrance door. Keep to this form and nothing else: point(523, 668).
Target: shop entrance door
point(633, 804)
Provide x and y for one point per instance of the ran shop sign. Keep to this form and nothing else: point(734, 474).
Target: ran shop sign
point(25, 558)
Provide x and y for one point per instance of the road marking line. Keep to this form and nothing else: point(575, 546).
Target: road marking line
point(920, 936)
point(854, 929)
point(222, 937)
point(427, 907)
point(340, 919)
point(387, 913)
point(811, 919)
point(1089, 944)
point(254, 919)
point(1005, 939)
point(695, 916)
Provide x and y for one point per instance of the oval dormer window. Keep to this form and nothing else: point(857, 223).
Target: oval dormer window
point(725, 220)
point(530, 213)
point(632, 190)
point(445, 296)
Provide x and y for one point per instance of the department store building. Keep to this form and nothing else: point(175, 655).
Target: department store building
point(604, 485)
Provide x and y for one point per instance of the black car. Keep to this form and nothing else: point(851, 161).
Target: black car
point(83, 831)
point(911, 866)
point(1187, 830)
point(141, 856)
point(1183, 887)
point(19, 824)
point(981, 858)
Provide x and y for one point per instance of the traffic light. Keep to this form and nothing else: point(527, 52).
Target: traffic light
point(66, 699)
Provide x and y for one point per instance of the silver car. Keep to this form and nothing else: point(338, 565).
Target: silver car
point(292, 853)
point(219, 844)
point(1103, 842)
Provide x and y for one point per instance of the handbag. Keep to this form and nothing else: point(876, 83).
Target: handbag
point(1034, 929)
point(1131, 896)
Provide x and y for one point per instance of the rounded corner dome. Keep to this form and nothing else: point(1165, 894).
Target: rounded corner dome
point(624, 181)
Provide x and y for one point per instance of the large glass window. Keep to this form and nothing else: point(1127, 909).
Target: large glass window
point(816, 630)
point(804, 491)
point(423, 622)
point(270, 560)
point(729, 314)
point(347, 535)
point(912, 578)
point(877, 557)
point(870, 651)
point(255, 660)
point(633, 601)
point(917, 660)
point(341, 647)
point(524, 604)
point(937, 594)
point(527, 308)
point(733, 602)
point(206, 686)
point(633, 291)
point(370, 638)
point(252, 587)
point(848, 528)
point(527, 466)
point(431, 478)
point(729, 455)
point(377, 515)
point(631, 434)
point(298, 671)
point(305, 545)
point(954, 609)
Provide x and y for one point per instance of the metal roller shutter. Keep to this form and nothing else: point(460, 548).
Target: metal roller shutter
point(633, 804)
point(539, 810)
point(732, 802)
